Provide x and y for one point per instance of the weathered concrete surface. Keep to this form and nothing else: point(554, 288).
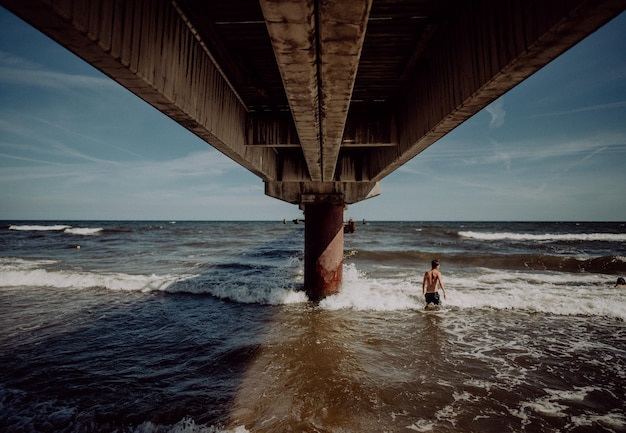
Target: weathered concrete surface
point(342, 26)
point(318, 42)
point(332, 192)
point(291, 26)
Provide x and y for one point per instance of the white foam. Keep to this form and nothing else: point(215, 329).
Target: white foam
point(546, 292)
point(17, 272)
point(80, 280)
point(361, 292)
point(549, 405)
point(614, 420)
point(10, 263)
point(82, 231)
point(497, 236)
point(422, 426)
point(39, 228)
point(33, 273)
point(279, 288)
point(247, 294)
point(58, 228)
point(186, 425)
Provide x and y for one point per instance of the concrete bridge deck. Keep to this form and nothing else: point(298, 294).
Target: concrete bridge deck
point(321, 99)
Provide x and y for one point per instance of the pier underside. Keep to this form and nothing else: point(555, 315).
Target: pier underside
point(320, 99)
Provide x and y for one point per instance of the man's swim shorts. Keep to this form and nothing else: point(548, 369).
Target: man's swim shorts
point(432, 298)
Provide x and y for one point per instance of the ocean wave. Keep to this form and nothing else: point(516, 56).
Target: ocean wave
point(544, 262)
point(555, 293)
point(225, 283)
point(558, 293)
point(186, 425)
point(18, 273)
point(547, 237)
point(384, 256)
point(362, 292)
point(252, 294)
point(14, 263)
point(83, 231)
point(27, 415)
point(55, 228)
point(58, 228)
point(604, 264)
point(245, 284)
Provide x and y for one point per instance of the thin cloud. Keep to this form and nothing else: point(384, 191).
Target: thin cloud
point(569, 167)
point(497, 156)
point(16, 71)
point(11, 61)
point(203, 165)
point(10, 175)
point(53, 80)
point(497, 112)
point(85, 137)
point(520, 155)
point(20, 158)
point(46, 145)
point(59, 149)
point(535, 150)
point(599, 107)
point(181, 187)
point(196, 164)
point(610, 142)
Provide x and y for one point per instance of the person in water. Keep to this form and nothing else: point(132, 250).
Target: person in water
point(432, 279)
point(621, 283)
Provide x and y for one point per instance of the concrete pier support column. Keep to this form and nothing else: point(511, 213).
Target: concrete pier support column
point(323, 249)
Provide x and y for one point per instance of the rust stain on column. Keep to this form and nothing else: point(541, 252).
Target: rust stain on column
point(323, 249)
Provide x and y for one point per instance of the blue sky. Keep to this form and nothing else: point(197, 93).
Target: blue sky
point(75, 145)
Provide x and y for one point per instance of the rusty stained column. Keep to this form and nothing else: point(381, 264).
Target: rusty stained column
point(323, 249)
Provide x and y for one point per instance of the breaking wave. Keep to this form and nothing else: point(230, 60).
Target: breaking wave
point(58, 228)
point(547, 237)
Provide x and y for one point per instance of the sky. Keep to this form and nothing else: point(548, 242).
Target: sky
point(74, 145)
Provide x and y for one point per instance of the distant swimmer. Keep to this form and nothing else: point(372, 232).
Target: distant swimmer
point(432, 278)
point(621, 283)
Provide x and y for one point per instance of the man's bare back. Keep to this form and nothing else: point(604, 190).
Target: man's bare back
point(432, 279)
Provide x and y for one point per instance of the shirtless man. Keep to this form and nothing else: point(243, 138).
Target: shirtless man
point(429, 285)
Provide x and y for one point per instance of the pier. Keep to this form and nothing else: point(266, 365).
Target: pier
point(320, 99)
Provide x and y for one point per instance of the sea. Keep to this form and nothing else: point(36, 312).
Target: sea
point(189, 326)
